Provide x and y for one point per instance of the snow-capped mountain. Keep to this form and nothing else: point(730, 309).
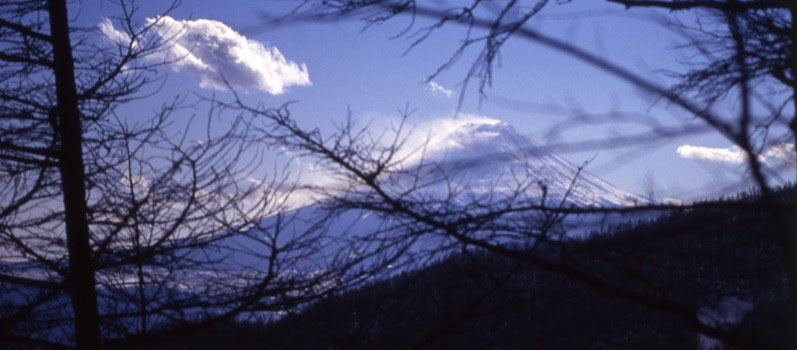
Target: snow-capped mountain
point(467, 164)
point(483, 160)
point(484, 154)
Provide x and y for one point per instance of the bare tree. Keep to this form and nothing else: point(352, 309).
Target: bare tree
point(749, 46)
point(115, 229)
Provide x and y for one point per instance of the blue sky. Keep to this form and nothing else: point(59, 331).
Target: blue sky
point(369, 73)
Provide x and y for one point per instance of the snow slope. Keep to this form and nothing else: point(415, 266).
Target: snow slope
point(482, 161)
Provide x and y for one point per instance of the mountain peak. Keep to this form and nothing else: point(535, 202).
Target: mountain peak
point(490, 155)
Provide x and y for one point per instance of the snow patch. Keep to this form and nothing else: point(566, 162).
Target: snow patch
point(729, 311)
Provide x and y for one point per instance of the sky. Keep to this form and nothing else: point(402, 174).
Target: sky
point(329, 69)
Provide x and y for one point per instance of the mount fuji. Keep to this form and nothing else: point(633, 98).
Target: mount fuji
point(477, 158)
point(485, 154)
point(469, 162)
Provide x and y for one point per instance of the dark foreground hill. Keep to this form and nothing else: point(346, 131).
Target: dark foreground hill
point(707, 259)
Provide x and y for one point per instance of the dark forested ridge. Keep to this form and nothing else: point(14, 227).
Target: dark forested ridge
point(475, 300)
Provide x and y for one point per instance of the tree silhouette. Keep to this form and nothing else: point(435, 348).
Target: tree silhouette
point(748, 49)
point(118, 229)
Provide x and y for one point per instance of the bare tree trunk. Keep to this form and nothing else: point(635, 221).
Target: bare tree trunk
point(791, 242)
point(80, 280)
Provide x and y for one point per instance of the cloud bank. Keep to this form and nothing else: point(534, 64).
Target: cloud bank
point(730, 155)
point(436, 136)
point(783, 152)
point(215, 52)
point(439, 90)
point(113, 35)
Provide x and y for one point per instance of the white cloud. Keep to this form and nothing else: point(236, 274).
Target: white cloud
point(783, 152)
point(424, 139)
point(138, 182)
point(731, 155)
point(436, 136)
point(114, 35)
point(672, 201)
point(216, 52)
point(439, 90)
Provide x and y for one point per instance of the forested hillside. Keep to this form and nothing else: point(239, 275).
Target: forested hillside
point(474, 300)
